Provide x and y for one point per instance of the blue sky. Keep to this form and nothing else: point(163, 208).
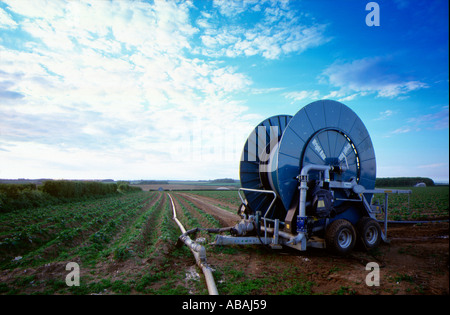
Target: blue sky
point(172, 89)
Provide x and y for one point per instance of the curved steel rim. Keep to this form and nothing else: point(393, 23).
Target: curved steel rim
point(312, 120)
point(371, 235)
point(250, 164)
point(351, 147)
point(345, 238)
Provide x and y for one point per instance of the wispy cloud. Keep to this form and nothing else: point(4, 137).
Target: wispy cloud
point(433, 165)
point(434, 121)
point(166, 87)
point(369, 76)
point(115, 79)
point(232, 8)
point(385, 114)
point(265, 90)
point(401, 130)
point(302, 95)
point(6, 20)
point(278, 30)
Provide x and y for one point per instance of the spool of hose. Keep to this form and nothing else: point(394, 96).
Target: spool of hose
point(324, 132)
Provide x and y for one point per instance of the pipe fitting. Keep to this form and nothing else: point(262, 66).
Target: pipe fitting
point(198, 251)
point(297, 239)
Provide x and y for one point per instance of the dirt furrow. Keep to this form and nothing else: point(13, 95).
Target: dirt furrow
point(202, 221)
point(225, 218)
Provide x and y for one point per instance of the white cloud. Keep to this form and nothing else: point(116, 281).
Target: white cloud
point(107, 83)
point(301, 95)
point(6, 20)
point(279, 30)
point(349, 97)
point(232, 8)
point(266, 90)
point(402, 130)
point(385, 114)
point(436, 121)
point(369, 75)
point(433, 165)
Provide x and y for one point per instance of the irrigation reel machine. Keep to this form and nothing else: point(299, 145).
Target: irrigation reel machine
point(308, 181)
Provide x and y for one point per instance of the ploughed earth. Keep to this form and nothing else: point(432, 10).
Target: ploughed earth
point(415, 261)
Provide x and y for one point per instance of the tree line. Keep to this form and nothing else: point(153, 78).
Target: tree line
point(20, 196)
point(402, 181)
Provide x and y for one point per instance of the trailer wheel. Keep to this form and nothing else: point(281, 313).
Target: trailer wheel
point(369, 233)
point(340, 237)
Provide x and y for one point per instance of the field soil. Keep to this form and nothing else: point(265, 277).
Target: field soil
point(415, 261)
point(142, 258)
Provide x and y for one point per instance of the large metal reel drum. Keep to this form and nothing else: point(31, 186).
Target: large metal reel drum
point(255, 160)
point(325, 132)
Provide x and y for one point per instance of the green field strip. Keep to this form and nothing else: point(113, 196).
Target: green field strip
point(77, 222)
point(227, 196)
point(122, 246)
point(98, 242)
point(182, 214)
point(164, 230)
point(148, 230)
point(144, 236)
point(425, 203)
point(212, 222)
point(188, 220)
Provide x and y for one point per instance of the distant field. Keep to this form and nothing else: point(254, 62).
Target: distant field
point(190, 185)
point(425, 203)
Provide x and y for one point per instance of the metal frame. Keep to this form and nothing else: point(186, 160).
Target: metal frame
point(300, 149)
point(386, 193)
point(299, 240)
point(268, 209)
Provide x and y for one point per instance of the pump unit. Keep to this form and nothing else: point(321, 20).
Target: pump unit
point(308, 180)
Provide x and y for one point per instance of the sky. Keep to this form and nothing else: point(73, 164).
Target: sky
point(172, 89)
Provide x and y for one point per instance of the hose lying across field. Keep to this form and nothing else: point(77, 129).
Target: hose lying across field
point(199, 253)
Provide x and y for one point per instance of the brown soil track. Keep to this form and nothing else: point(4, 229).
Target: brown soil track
point(180, 200)
point(416, 261)
point(225, 217)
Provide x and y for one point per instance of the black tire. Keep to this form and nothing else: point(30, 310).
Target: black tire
point(340, 237)
point(369, 233)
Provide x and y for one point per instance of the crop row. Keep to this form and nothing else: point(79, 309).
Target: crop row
point(424, 203)
point(134, 233)
point(124, 245)
point(141, 237)
point(195, 217)
point(227, 199)
point(41, 233)
point(99, 244)
point(23, 196)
